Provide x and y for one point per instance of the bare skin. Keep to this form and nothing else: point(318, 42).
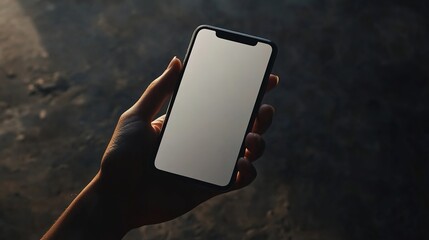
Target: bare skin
point(128, 192)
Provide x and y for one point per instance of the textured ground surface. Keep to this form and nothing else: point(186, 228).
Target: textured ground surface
point(348, 152)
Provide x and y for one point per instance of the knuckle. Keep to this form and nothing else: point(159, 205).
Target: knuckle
point(125, 115)
point(152, 85)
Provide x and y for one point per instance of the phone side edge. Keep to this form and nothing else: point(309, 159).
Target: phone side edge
point(258, 102)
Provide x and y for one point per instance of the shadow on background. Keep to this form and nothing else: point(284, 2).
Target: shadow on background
point(347, 153)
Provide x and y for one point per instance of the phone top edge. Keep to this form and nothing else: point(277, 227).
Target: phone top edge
point(260, 39)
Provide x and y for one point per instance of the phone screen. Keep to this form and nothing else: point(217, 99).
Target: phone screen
point(212, 108)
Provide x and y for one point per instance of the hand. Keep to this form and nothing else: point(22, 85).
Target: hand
point(144, 195)
point(128, 185)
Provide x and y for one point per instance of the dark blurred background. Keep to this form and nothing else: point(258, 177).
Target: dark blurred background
point(348, 152)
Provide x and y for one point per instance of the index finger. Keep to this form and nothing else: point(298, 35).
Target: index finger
point(158, 91)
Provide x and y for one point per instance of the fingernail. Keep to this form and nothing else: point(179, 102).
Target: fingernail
point(277, 79)
point(171, 62)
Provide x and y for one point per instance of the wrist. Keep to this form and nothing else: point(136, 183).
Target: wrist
point(91, 215)
point(106, 211)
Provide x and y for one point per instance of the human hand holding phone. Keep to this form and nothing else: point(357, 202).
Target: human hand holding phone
point(128, 191)
point(127, 166)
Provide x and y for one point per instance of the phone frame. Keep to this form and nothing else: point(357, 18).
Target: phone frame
point(231, 36)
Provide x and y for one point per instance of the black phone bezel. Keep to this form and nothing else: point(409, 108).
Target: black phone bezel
point(232, 36)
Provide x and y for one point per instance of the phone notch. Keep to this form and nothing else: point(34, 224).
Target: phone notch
point(241, 38)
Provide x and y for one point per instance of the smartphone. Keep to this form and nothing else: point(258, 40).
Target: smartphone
point(214, 105)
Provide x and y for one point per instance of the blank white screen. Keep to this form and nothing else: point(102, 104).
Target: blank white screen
point(212, 109)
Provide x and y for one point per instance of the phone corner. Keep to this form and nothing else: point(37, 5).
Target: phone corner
point(201, 27)
point(156, 166)
point(227, 185)
point(224, 188)
point(274, 47)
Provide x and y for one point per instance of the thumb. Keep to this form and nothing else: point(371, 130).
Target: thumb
point(158, 91)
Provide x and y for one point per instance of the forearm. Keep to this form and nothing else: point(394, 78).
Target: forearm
point(89, 216)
